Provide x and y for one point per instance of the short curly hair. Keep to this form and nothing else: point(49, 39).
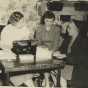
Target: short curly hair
point(47, 14)
point(15, 16)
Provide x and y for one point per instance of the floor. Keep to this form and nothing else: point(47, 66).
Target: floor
point(18, 80)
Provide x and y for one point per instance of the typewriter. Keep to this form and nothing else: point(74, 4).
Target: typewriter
point(23, 47)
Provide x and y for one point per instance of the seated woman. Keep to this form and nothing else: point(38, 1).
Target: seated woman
point(14, 30)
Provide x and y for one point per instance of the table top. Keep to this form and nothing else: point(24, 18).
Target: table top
point(53, 64)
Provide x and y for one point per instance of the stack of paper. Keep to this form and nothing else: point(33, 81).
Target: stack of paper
point(43, 54)
point(28, 58)
point(7, 55)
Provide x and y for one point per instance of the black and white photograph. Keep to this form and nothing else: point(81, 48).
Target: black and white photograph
point(44, 43)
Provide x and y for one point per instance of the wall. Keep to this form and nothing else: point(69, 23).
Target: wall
point(8, 6)
point(68, 9)
point(27, 8)
point(78, 15)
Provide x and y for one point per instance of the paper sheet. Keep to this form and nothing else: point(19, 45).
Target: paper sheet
point(28, 58)
point(43, 54)
point(59, 55)
point(7, 55)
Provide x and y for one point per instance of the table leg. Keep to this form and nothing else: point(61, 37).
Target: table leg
point(46, 79)
point(6, 79)
point(58, 78)
point(4, 76)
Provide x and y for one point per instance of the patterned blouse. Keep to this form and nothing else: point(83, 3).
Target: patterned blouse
point(49, 38)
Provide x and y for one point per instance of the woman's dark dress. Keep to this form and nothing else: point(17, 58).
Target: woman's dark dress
point(78, 57)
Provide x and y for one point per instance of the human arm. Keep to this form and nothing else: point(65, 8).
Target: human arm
point(61, 41)
point(73, 38)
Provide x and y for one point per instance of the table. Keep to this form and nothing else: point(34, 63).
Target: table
point(32, 68)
